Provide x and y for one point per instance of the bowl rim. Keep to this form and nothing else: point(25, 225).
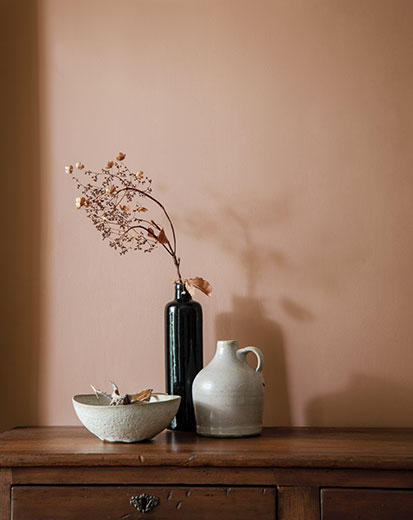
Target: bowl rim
point(171, 397)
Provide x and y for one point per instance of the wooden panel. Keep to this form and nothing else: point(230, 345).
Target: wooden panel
point(214, 476)
point(276, 447)
point(298, 503)
point(5, 483)
point(145, 476)
point(111, 502)
point(366, 504)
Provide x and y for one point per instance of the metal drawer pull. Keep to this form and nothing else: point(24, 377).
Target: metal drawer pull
point(144, 503)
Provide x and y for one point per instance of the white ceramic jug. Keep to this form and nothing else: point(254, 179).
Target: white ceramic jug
point(228, 394)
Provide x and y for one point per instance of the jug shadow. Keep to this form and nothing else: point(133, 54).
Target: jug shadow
point(234, 232)
point(366, 401)
point(248, 324)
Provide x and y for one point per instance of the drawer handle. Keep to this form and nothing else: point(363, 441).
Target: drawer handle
point(144, 502)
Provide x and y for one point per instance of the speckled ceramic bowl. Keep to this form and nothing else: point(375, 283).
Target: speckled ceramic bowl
point(126, 423)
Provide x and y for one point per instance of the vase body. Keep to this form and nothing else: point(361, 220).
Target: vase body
point(183, 354)
point(228, 394)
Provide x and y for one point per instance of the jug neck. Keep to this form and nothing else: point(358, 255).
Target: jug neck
point(226, 349)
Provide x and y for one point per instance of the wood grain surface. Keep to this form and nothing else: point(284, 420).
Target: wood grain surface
point(277, 447)
point(298, 503)
point(366, 504)
point(113, 503)
point(67, 473)
point(5, 483)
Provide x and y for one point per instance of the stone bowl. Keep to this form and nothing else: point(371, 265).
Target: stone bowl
point(126, 423)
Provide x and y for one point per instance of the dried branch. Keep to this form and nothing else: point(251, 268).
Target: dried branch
point(110, 199)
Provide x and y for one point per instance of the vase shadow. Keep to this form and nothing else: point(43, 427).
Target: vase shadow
point(366, 401)
point(247, 323)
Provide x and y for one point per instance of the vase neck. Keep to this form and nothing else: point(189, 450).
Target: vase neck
point(181, 294)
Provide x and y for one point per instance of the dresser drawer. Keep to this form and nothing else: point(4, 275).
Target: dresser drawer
point(366, 504)
point(113, 502)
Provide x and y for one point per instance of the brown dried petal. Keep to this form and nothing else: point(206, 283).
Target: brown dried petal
point(139, 175)
point(142, 209)
point(124, 208)
point(188, 287)
point(143, 396)
point(81, 201)
point(200, 284)
point(120, 156)
point(80, 166)
point(110, 189)
point(109, 164)
point(69, 168)
point(162, 237)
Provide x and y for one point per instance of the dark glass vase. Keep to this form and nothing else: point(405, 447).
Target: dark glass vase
point(183, 354)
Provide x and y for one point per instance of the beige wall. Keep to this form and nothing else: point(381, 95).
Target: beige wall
point(279, 135)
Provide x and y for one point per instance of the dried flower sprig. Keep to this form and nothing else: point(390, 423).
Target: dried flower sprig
point(110, 199)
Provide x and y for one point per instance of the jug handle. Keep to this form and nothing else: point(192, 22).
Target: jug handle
point(242, 352)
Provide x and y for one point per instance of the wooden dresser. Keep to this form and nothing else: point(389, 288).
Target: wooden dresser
point(61, 473)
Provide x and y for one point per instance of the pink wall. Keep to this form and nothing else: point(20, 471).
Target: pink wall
point(279, 136)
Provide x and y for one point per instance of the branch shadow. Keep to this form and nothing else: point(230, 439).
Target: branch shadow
point(247, 321)
point(20, 208)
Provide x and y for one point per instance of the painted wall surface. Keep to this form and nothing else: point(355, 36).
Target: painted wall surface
point(279, 136)
point(19, 215)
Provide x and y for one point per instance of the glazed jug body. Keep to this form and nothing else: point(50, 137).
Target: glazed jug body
point(228, 394)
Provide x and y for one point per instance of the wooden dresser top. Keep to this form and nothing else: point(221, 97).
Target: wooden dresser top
point(276, 447)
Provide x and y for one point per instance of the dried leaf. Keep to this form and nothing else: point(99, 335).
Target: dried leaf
point(139, 175)
point(115, 388)
point(99, 393)
point(124, 208)
point(69, 168)
point(80, 166)
point(151, 233)
point(142, 209)
point(162, 237)
point(143, 396)
point(109, 164)
point(189, 288)
point(120, 156)
point(117, 399)
point(198, 283)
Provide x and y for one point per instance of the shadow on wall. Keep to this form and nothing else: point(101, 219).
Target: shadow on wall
point(247, 321)
point(361, 403)
point(248, 324)
point(20, 208)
